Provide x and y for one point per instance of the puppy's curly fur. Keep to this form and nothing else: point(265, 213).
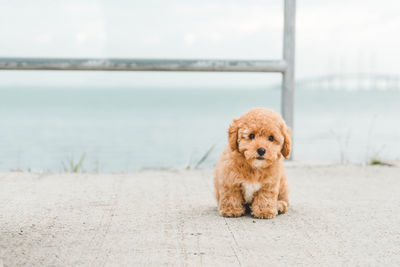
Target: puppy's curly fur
point(244, 175)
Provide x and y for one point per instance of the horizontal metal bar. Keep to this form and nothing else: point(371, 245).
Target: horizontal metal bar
point(110, 64)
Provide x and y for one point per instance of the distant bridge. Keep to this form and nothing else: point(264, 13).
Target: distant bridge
point(352, 81)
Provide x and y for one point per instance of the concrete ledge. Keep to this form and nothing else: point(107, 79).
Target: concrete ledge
point(340, 215)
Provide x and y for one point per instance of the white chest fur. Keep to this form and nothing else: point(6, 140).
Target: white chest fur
point(249, 190)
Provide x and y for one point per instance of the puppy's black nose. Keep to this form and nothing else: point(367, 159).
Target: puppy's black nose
point(261, 151)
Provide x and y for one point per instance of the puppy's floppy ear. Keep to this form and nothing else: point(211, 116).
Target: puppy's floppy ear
point(286, 147)
point(233, 135)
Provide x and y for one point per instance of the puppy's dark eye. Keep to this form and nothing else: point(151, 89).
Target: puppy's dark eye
point(251, 136)
point(271, 138)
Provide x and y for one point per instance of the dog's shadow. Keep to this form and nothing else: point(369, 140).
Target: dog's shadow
point(212, 211)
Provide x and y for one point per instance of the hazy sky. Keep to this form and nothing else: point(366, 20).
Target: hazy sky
point(332, 36)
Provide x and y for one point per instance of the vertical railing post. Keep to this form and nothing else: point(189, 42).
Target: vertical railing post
point(287, 99)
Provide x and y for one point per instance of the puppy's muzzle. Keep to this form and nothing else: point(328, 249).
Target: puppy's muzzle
point(261, 152)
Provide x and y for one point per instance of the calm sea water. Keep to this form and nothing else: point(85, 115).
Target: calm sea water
point(129, 129)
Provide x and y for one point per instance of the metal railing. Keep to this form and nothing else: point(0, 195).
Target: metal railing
point(112, 64)
point(284, 66)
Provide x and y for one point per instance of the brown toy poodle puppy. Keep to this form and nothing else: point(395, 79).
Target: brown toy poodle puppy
point(250, 171)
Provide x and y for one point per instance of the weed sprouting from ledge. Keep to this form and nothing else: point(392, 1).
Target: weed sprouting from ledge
point(74, 167)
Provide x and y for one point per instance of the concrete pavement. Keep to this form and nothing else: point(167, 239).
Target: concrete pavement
point(339, 215)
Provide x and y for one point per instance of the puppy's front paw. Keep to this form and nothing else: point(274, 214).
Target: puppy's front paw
point(282, 206)
point(231, 208)
point(263, 212)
